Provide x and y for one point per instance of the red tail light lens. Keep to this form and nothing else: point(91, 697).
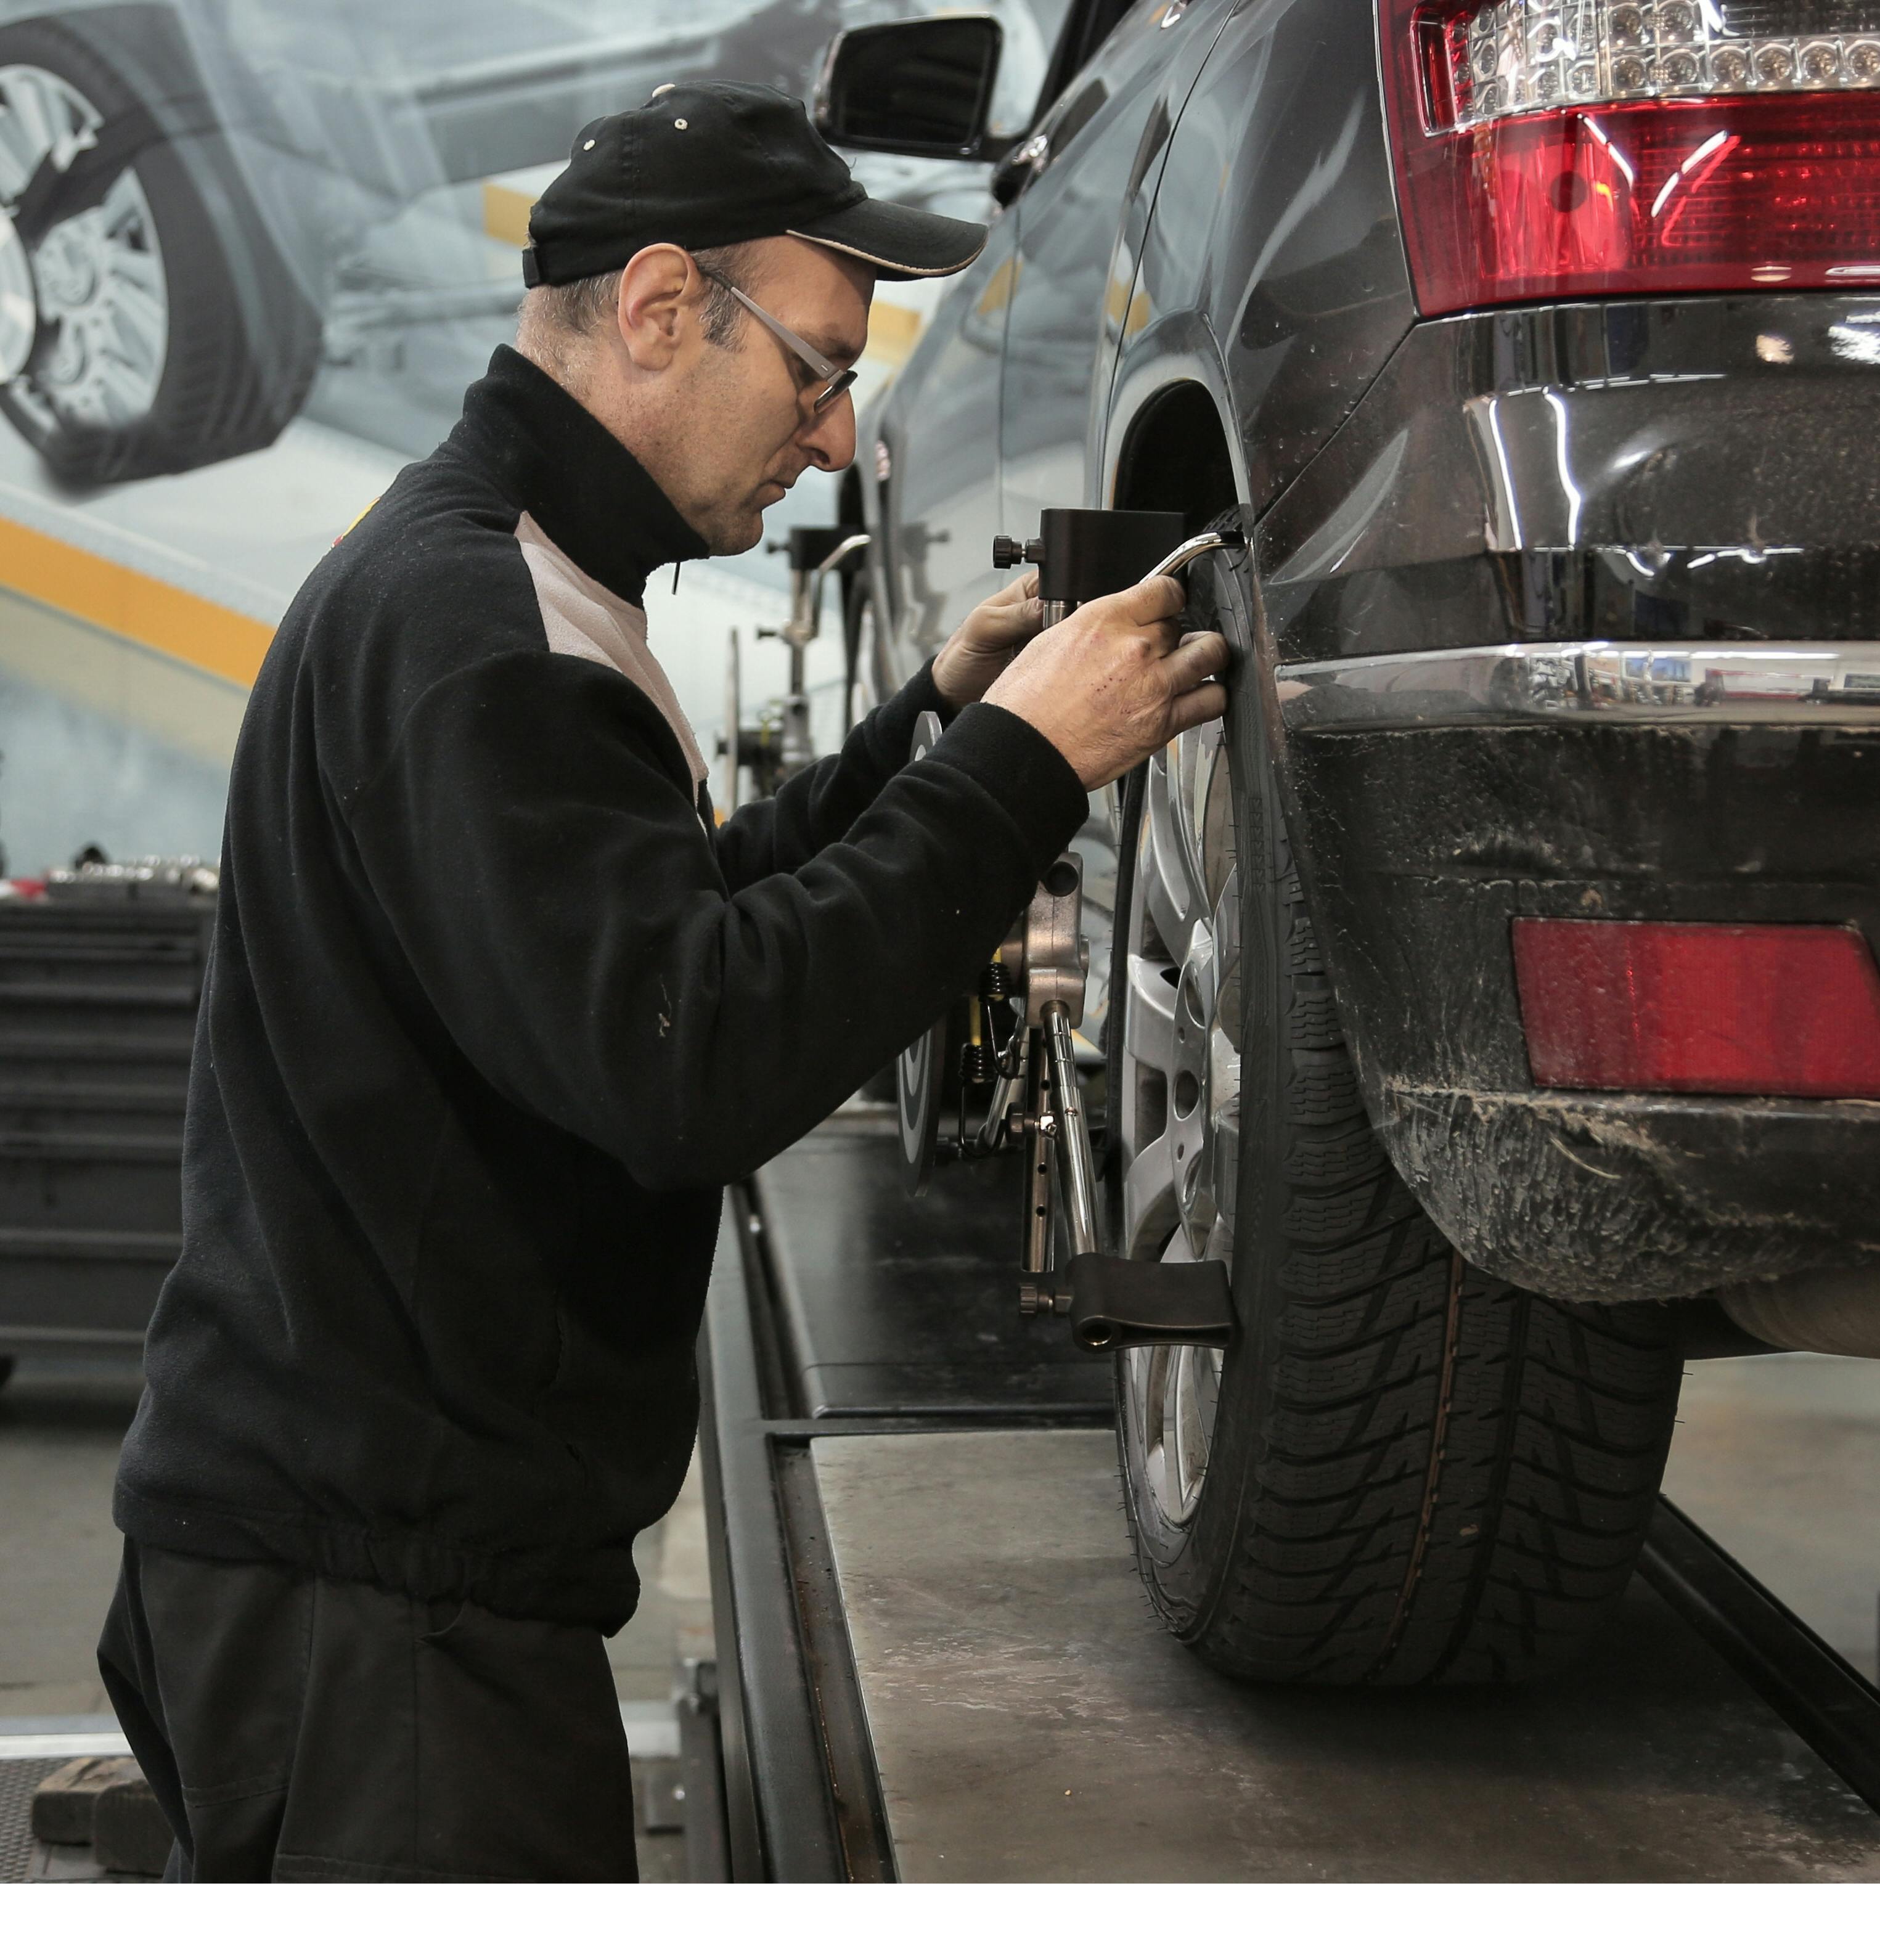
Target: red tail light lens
point(1547, 148)
point(1720, 1010)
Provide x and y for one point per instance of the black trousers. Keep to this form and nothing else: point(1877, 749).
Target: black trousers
point(298, 1728)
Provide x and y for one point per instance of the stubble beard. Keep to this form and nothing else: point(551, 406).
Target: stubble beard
point(732, 533)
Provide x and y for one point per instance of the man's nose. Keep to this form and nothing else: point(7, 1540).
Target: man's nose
point(830, 439)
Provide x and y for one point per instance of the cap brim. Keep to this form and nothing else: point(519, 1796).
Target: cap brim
point(900, 242)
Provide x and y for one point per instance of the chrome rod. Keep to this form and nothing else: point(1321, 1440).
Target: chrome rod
point(1198, 546)
point(856, 541)
point(1076, 1174)
point(1037, 1294)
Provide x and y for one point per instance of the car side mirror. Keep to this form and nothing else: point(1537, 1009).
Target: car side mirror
point(914, 88)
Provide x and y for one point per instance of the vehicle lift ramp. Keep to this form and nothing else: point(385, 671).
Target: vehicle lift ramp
point(936, 1662)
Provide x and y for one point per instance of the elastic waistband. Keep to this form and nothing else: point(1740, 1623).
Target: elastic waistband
point(594, 1588)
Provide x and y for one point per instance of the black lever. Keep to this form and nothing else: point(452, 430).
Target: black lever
point(1149, 1303)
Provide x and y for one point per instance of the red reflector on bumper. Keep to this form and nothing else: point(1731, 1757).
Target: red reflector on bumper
point(1721, 1010)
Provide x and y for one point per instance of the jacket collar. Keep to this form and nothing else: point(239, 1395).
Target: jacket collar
point(587, 491)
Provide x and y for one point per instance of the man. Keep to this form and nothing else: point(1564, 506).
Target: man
point(493, 1012)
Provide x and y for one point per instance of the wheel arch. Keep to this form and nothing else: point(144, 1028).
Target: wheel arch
point(1171, 400)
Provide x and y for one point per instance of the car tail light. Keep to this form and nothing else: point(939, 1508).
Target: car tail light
point(1722, 1010)
point(1551, 148)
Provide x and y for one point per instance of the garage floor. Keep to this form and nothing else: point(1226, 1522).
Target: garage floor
point(1031, 1722)
point(59, 1430)
point(1779, 1458)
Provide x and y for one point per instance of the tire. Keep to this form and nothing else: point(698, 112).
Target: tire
point(7, 1364)
point(168, 332)
point(1403, 1471)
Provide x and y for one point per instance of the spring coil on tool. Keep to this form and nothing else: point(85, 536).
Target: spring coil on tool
point(979, 1064)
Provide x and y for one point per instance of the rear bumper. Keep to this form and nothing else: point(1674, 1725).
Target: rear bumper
point(1578, 615)
point(1440, 795)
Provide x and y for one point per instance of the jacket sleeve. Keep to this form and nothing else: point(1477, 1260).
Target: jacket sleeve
point(816, 807)
point(554, 892)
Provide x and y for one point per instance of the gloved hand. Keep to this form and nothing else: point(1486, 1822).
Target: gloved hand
point(988, 637)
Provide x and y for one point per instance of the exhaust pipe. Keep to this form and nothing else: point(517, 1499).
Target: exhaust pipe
point(1836, 1312)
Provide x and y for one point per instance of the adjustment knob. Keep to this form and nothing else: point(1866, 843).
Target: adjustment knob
point(1008, 551)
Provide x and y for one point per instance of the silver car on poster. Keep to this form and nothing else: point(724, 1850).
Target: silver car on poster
point(202, 203)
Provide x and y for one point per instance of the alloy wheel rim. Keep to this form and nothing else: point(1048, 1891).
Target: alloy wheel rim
point(1179, 1119)
point(100, 319)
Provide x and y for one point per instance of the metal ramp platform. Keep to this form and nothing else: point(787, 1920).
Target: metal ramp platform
point(937, 1663)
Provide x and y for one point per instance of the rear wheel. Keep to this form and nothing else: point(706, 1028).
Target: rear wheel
point(1403, 1470)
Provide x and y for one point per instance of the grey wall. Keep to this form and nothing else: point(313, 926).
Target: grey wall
point(103, 742)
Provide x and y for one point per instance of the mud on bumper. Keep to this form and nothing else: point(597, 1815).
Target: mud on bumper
point(1439, 796)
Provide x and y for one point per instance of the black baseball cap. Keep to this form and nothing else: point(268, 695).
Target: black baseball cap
point(719, 163)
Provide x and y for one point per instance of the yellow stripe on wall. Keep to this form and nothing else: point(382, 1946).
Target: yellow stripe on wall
point(892, 330)
point(506, 213)
point(132, 604)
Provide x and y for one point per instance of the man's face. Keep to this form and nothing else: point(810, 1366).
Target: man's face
point(746, 429)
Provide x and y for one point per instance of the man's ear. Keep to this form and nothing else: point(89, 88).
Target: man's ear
point(658, 290)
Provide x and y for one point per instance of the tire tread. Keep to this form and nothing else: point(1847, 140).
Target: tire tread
point(1551, 1449)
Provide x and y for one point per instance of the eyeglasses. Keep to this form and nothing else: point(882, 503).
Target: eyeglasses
point(837, 381)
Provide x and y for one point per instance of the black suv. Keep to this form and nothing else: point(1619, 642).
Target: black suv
point(1500, 973)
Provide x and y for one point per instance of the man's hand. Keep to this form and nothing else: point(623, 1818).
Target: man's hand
point(1112, 683)
point(991, 633)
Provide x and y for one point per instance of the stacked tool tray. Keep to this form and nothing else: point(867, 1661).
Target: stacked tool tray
point(97, 1009)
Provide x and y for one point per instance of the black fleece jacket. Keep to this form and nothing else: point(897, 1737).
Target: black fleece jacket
point(492, 1013)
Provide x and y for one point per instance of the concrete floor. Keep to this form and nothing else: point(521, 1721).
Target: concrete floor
point(1779, 1458)
point(60, 1427)
point(1030, 1723)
